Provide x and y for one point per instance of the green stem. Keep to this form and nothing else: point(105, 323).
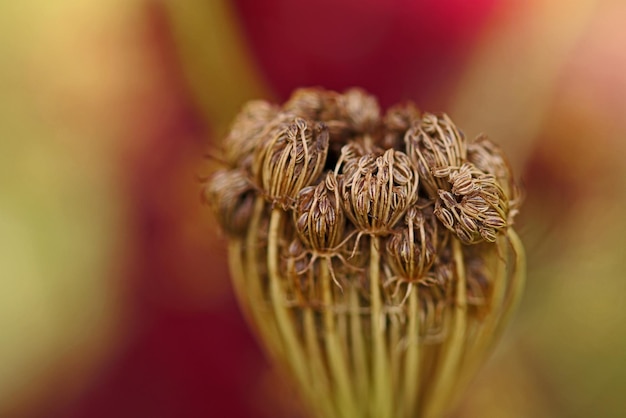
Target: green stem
point(381, 380)
point(336, 360)
point(284, 320)
point(452, 349)
point(411, 364)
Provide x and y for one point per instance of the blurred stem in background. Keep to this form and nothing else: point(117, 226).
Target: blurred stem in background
point(218, 64)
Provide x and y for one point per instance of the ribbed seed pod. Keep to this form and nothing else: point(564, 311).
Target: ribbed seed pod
point(290, 159)
point(397, 121)
point(247, 132)
point(377, 191)
point(232, 196)
point(318, 215)
point(476, 208)
point(412, 249)
point(489, 158)
point(361, 110)
point(435, 146)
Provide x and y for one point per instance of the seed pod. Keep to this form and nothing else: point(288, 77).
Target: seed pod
point(361, 110)
point(476, 208)
point(489, 158)
point(247, 131)
point(318, 216)
point(397, 121)
point(291, 159)
point(435, 146)
point(377, 191)
point(412, 249)
point(231, 196)
point(462, 181)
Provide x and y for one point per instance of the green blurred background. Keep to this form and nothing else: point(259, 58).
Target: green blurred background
point(114, 294)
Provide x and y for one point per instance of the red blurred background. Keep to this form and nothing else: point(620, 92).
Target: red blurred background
point(115, 298)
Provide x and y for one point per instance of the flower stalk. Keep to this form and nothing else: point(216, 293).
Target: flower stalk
point(373, 255)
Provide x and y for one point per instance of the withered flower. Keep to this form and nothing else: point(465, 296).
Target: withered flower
point(232, 197)
point(318, 217)
point(378, 279)
point(435, 146)
point(397, 122)
point(475, 208)
point(412, 249)
point(378, 190)
point(247, 130)
point(290, 158)
point(361, 110)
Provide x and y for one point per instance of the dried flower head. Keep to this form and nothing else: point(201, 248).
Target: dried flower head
point(352, 259)
point(397, 122)
point(378, 190)
point(318, 216)
point(247, 131)
point(436, 146)
point(232, 196)
point(291, 157)
point(361, 110)
point(475, 208)
point(412, 248)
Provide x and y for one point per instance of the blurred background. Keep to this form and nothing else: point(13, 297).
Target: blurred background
point(114, 292)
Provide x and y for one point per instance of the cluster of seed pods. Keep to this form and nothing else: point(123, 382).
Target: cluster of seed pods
point(373, 253)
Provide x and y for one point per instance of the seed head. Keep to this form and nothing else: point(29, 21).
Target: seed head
point(247, 132)
point(318, 215)
point(435, 146)
point(475, 208)
point(231, 196)
point(291, 158)
point(349, 243)
point(378, 190)
point(412, 249)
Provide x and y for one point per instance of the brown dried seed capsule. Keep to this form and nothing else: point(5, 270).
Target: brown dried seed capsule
point(247, 131)
point(318, 216)
point(292, 158)
point(462, 181)
point(475, 201)
point(488, 234)
point(489, 158)
point(398, 119)
point(306, 103)
point(434, 145)
point(412, 250)
point(231, 196)
point(377, 191)
point(361, 110)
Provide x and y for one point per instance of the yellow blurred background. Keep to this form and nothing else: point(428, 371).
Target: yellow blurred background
point(114, 295)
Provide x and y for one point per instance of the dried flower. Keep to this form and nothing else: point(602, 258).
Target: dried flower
point(352, 259)
point(397, 122)
point(475, 208)
point(318, 216)
point(247, 131)
point(436, 146)
point(412, 248)
point(290, 158)
point(232, 196)
point(378, 190)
